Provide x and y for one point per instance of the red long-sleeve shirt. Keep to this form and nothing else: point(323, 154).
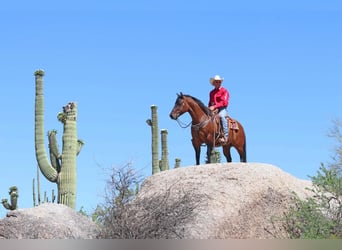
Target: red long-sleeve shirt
point(219, 98)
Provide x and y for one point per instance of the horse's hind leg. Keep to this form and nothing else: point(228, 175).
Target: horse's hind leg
point(242, 153)
point(226, 152)
point(243, 157)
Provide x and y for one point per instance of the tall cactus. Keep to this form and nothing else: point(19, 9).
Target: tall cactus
point(154, 127)
point(165, 151)
point(62, 167)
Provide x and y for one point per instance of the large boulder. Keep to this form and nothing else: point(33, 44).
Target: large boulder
point(47, 221)
point(216, 201)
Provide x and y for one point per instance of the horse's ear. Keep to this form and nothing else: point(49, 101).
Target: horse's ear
point(180, 94)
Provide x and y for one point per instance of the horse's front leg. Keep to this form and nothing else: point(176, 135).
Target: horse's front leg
point(197, 148)
point(209, 152)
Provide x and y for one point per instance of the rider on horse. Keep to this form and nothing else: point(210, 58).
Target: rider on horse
point(219, 100)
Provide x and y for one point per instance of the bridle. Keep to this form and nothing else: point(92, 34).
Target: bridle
point(182, 124)
point(197, 126)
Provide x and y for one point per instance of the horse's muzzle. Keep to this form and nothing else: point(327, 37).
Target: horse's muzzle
point(173, 116)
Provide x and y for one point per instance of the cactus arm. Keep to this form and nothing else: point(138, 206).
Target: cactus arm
point(80, 144)
point(54, 152)
point(53, 145)
point(47, 170)
point(5, 204)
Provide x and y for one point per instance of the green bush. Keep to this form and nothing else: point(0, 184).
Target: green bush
point(309, 219)
point(320, 216)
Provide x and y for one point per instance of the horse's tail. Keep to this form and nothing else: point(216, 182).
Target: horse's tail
point(245, 148)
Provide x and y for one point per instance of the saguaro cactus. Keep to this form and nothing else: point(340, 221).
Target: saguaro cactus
point(154, 127)
point(62, 167)
point(165, 151)
point(13, 192)
point(177, 163)
point(215, 156)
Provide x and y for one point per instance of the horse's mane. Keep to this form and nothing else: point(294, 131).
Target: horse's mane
point(205, 109)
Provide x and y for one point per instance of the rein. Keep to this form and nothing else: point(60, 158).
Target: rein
point(196, 126)
point(182, 124)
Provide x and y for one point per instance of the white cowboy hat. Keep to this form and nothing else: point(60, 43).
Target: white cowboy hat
point(216, 78)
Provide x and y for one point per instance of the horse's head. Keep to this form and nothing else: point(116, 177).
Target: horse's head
point(180, 107)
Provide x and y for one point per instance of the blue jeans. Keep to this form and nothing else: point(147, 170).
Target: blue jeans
point(223, 113)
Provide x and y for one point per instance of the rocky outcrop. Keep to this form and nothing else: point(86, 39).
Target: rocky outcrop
point(47, 221)
point(219, 201)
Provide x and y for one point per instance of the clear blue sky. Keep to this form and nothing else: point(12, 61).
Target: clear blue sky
point(281, 61)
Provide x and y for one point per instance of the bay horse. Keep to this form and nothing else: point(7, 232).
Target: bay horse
point(206, 128)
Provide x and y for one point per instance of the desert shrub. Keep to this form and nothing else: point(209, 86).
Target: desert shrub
point(127, 216)
point(320, 216)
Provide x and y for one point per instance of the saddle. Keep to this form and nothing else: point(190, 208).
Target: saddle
point(232, 123)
